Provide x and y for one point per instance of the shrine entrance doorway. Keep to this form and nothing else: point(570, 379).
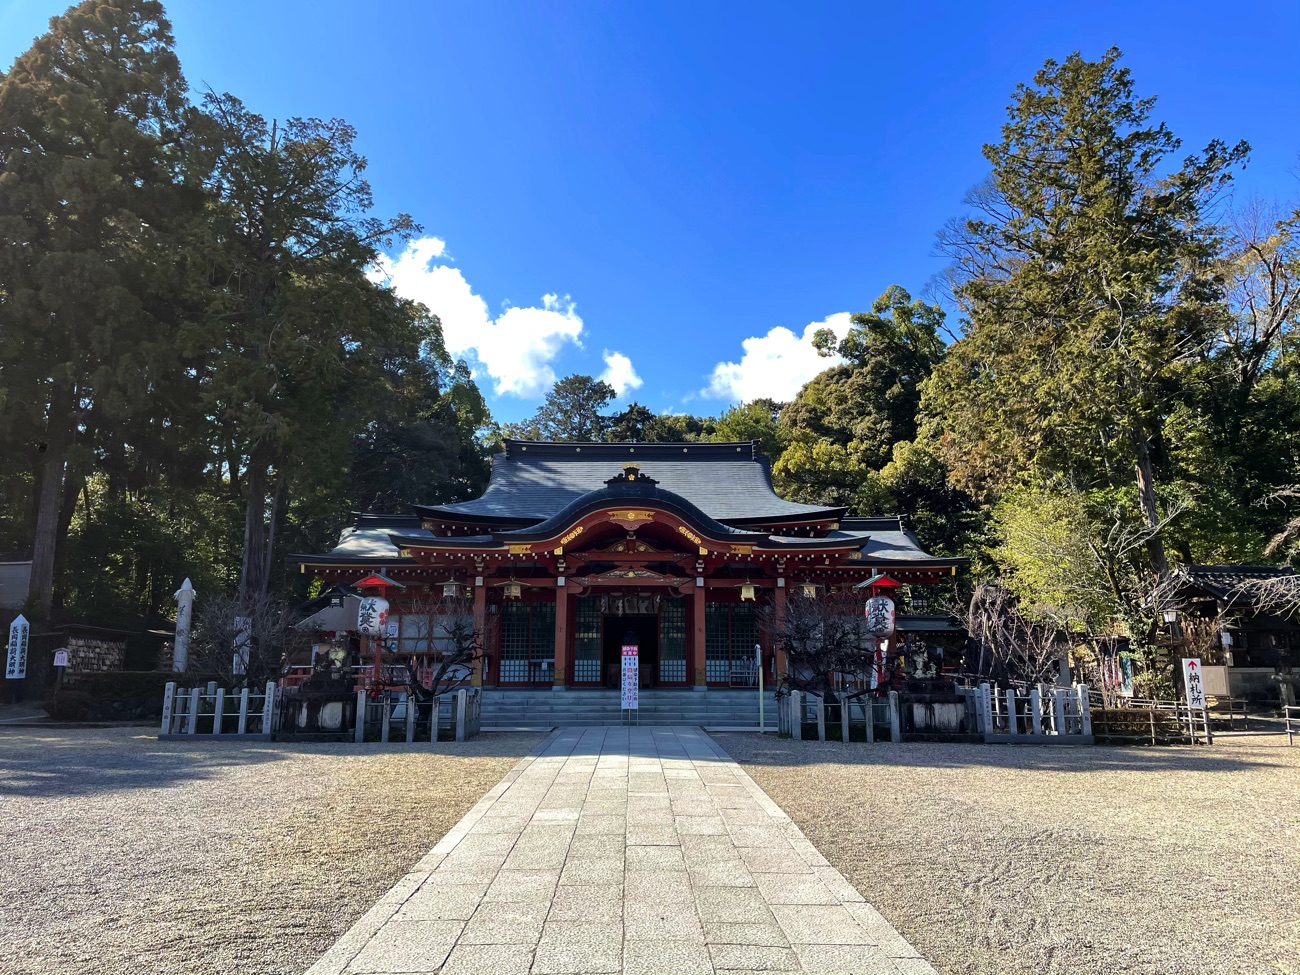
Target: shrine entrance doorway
point(621, 630)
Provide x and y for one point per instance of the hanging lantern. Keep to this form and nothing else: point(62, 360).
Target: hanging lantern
point(880, 615)
point(512, 589)
point(372, 616)
point(747, 591)
point(450, 589)
point(808, 590)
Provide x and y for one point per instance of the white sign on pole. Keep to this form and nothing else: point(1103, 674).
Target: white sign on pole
point(60, 658)
point(16, 657)
point(1192, 681)
point(631, 678)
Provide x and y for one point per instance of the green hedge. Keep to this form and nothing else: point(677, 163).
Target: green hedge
point(114, 696)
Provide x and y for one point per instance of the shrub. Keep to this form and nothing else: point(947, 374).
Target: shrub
point(70, 705)
point(113, 696)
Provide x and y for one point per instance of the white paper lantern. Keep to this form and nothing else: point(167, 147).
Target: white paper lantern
point(880, 615)
point(372, 616)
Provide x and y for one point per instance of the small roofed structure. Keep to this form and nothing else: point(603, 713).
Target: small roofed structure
point(1246, 618)
point(573, 549)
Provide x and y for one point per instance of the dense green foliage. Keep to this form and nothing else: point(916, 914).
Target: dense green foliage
point(198, 374)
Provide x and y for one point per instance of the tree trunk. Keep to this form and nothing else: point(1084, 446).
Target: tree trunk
point(277, 508)
point(50, 475)
point(252, 575)
point(1146, 486)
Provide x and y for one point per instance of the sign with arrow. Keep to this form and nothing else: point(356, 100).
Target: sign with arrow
point(1192, 681)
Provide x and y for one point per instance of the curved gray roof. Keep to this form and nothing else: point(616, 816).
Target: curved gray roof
point(729, 482)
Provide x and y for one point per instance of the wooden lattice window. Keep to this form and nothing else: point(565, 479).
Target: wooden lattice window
point(586, 641)
point(527, 642)
point(672, 641)
point(730, 632)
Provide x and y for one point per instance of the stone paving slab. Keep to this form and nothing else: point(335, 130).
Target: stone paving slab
point(643, 851)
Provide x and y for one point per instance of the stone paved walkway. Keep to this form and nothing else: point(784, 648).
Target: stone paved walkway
point(623, 850)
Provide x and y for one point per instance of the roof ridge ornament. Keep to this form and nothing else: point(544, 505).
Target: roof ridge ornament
point(631, 474)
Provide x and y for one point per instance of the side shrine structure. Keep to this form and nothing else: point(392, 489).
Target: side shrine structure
point(575, 549)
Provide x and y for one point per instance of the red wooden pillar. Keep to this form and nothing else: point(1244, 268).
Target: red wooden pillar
point(778, 655)
point(561, 636)
point(480, 627)
point(697, 645)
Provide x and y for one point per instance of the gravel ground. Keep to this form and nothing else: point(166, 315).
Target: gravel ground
point(1050, 859)
point(125, 854)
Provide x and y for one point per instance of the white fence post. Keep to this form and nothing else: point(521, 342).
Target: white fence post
point(1013, 726)
point(268, 710)
point(410, 717)
point(870, 711)
point(192, 725)
point(387, 719)
point(360, 734)
point(243, 711)
point(1036, 711)
point(1058, 711)
point(844, 720)
point(460, 715)
point(169, 694)
point(895, 729)
point(796, 715)
point(1085, 711)
point(821, 716)
point(985, 710)
point(218, 709)
point(433, 721)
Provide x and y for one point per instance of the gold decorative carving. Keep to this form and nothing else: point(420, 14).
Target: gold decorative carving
point(742, 550)
point(683, 530)
point(632, 515)
point(564, 540)
point(519, 549)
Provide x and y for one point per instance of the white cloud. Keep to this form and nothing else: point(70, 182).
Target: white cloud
point(775, 365)
point(620, 373)
point(516, 348)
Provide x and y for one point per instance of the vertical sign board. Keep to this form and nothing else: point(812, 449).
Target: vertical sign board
point(631, 678)
point(1195, 694)
point(1192, 681)
point(16, 657)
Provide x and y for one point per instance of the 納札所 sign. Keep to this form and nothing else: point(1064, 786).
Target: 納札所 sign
point(631, 678)
point(1192, 681)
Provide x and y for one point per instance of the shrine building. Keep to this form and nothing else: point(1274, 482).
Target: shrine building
point(575, 549)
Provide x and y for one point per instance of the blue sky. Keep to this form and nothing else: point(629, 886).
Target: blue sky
point(676, 191)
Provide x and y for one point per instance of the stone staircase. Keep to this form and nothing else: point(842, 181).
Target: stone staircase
point(547, 708)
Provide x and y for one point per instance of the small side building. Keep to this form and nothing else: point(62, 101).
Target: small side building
point(1243, 644)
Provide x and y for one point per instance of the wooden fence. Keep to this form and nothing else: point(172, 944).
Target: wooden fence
point(1154, 722)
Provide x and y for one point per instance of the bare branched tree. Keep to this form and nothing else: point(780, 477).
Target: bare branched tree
point(243, 642)
point(1026, 648)
point(456, 643)
point(820, 636)
point(1262, 273)
point(1275, 595)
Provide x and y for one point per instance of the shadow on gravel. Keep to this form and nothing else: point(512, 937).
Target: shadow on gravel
point(750, 750)
point(81, 762)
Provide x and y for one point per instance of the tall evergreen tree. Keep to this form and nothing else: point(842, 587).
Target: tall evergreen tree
point(1085, 283)
point(295, 331)
point(91, 188)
